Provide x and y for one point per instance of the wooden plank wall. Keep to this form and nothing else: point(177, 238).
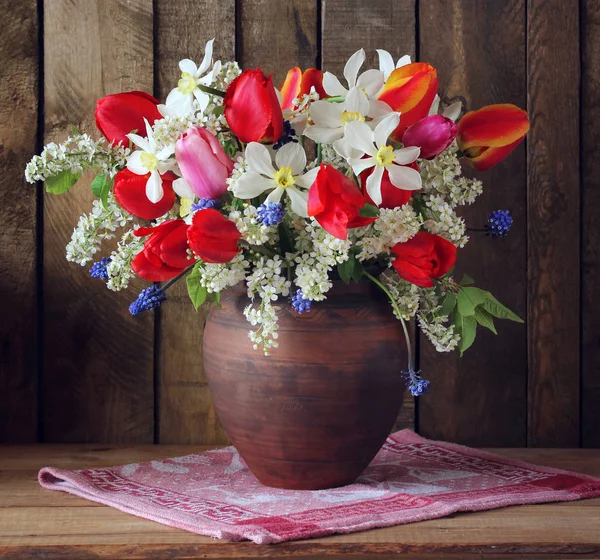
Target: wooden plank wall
point(74, 366)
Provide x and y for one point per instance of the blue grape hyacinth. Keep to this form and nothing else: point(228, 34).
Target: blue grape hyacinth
point(288, 135)
point(270, 213)
point(300, 303)
point(499, 223)
point(99, 270)
point(150, 298)
point(205, 203)
point(415, 383)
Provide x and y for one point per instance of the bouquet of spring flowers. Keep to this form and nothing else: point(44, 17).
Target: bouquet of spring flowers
point(231, 180)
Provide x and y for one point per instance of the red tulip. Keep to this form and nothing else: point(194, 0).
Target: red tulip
point(130, 192)
point(164, 254)
point(213, 237)
point(298, 83)
point(410, 90)
point(433, 135)
point(335, 201)
point(392, 196)
point(119, 114)
point(424, 257)
point(488, 135)
point(252, 108)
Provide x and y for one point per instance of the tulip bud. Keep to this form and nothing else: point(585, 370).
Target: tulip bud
point(203, 162)
point(213, 237)
point(298, 83)
point(252, 108)
point(119, 114)
point(432, 134)
point(488, 135)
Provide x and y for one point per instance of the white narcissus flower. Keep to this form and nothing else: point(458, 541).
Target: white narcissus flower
point(180, 101)
point(150, 158)
point(451, 112)
point(287, 178)
point(382, 156)
point(386, 62)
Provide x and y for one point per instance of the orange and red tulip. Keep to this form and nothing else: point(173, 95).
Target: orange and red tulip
point(298, 83)
point(410, 90)
point(488, 135)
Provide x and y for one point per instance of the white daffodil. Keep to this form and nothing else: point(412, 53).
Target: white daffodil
point(150, 158)
point(180, 101)
point(386, 62)
point(369, 82)
point(451, 112)
point(382, 156)
point(287, 178)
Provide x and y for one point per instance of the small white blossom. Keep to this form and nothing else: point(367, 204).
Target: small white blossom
point(443, 221)
point(266, 280)
point(119, 269)
point(218, 277)
point(251, 228)
point(265, 317)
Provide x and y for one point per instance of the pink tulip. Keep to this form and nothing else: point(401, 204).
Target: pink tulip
point(203, 162)
point(433, 135)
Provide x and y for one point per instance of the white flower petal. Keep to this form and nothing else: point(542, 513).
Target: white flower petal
point(360, 136)
point(134, 163)
point(291, 155)
point(386, 126)
point(452, 112)
point(275, 196)
point(259, 159)
point(324, 113)
point(344, 149)
point(378, 109)
point(183, 189)
point(404, 156)
point(360, 164)
point(308, 178)
point(179, 104)
point(149, 132)
point(356, 102)
point(164, 166)
point(403, 61)
point(323, 135)
point(353, 66)
point(154, 188)
point(202, 98)
point(435, 105)
point(405, 178)
point(332, 85)
point(187, 65)
point(374, 185)
point(386, 62)
point(140, 142)
point(371, 82)
point(251, 184)
point(299, 201)
point(166, 152)
point(208, 52)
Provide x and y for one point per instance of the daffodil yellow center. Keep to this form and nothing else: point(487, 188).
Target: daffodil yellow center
point(349, 116)
point(284, 178)
point(149, 161)
point(385, 155)
point(187, 83)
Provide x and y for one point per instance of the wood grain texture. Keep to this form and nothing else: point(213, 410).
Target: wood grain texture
point(98, 376)
point(350, 25)
point(480, 399)
point(19, 67)
point(590, 227)
point(37, 523)
point(185, 413)
point(553, 223)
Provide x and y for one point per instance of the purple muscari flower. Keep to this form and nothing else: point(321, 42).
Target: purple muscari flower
point(270, 213)
point(205, 203)
point(415, 383)
point(287, 136)
point(148, 299)
point(499, 223)
point(98, 269)
point(300, 303)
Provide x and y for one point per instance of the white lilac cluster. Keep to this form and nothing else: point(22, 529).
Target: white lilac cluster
point(119, 268)
point(251, 228)
point(263, 315)
point(219, 277)
point(394, 225)
point(443, 176)
point(443, 221)
point(405, 294)
point(229, 71)
point(93, 228)
point(167, 130)
point(266, 280)
point(77, 154)
point(436, 326)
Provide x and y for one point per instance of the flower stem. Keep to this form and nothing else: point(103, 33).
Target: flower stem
point(210, 90)
point(335, 99)
point(258, 249)
point(319, 154)
point(398, 312)
point(173, 280)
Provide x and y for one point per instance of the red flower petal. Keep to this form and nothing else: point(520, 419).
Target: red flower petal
point(130, 193)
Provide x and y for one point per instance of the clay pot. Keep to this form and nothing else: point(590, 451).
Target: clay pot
point(314, 413)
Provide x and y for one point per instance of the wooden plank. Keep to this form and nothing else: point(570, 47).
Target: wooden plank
point(553, 223)
point(185, 413)
point(590, 208)
point(480, 399)
point(97, 383)
point(19, 67)
point(350, 25)
point(36, 522)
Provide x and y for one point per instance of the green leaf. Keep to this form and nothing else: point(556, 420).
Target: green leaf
point(101, 186)
point(358, 271)
point(286, 238)
point(465, 305)
point(468, 333)
point(345, 270)
point(466, 280)
point(196, 292)
point(75, 131)
point(237, 204)
point(216, 296)
point(484, 319)
point(62, 182)
point(369, 211)
point(448, 305)
point(475, 295)
point(495, 308)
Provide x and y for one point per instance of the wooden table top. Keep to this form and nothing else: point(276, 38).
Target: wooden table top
point(37, 523)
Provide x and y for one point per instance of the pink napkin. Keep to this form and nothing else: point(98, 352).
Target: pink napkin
point(410, 479)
